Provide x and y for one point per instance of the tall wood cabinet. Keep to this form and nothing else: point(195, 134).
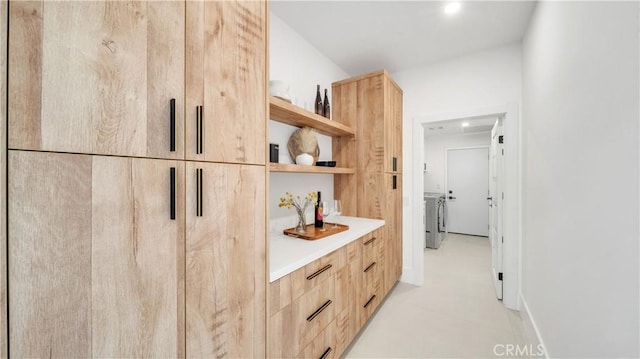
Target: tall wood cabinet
point(225, 71)
point(120, 244)
point(97, 77)
point(372, 103)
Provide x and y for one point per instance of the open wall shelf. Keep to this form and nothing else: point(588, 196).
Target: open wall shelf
point(291, 168)
point(284, 112)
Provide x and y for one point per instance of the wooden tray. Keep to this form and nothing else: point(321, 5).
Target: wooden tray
point(314, 233)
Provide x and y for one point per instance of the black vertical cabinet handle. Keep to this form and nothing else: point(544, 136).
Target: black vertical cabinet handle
point(395, 182)
point(201, 131)
point(197, 192)
point(172, 119)
point(395, 164)
point(173, 193)
point(198, 128)
point(200, 177)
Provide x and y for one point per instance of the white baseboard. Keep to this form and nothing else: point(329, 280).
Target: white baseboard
point(407, 276)
point(530, 326)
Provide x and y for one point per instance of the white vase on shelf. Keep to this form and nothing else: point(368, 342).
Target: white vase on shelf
point(304, 159)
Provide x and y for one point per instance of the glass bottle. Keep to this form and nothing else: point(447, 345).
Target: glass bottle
point(326, 108)
point(319, 107)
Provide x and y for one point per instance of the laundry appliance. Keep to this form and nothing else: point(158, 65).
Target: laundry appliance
point(435, 219)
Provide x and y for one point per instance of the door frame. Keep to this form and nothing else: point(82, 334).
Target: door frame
point(496, 169)
point(446, 164)
point(413, 272)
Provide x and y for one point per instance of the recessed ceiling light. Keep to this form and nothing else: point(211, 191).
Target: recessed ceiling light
point(452, 8)
point(465, 124)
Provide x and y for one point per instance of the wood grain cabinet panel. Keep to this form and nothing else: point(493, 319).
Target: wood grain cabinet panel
point(226, 275)
point(4, 13)
point(95, 260)
point(323, 346)
point(374, 103)
point(97, 77)
point(226, 74)
point(393, 230)
point(49, 255)
point(292, 286)
point(137, 258)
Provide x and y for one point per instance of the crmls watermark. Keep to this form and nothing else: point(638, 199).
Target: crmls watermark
point(518, 350)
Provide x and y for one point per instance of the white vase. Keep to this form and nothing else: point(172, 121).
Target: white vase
point(304, 159)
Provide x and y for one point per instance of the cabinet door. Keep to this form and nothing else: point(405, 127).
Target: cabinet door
point(226, 274)
point(226, 76)
point(49, 255)
point(137, 258)
point(393, 127)
point(97, 77)
point(95, 261)
point(393, 230)
point(371, 137)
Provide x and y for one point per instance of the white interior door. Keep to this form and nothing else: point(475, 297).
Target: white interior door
point(467, 190)
point(495, 205)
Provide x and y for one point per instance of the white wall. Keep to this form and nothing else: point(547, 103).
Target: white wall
point(580, 126)
point(434, 155)
point(293, 60)
point(475, 84)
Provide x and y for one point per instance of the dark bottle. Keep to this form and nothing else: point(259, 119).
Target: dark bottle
point(319, 107)
point(318, 221)
point(326, 108)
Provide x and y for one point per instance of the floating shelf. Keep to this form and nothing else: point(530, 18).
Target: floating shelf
point(284, 112)
point(286, 167)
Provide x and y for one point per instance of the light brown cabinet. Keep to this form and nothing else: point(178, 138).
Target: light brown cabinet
point(318, 309)
point(225, 260)
point(225, 70)
point(117, 248)
point(96, 263)
point(97, 77)
point(372, 103)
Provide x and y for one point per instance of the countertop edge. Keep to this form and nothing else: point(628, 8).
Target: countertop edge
point(354, 234)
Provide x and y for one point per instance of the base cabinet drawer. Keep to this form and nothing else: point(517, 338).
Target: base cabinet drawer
point(289, 288)
point(317, 311)
point(299, 323)
point(323, 346)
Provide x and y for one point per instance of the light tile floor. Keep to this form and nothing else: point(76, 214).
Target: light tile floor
point(455, 314)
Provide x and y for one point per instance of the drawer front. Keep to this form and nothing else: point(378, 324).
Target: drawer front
point(289, 288)
point(372, 249)
point(323, 346)
point(296, 325)
point(371, 295)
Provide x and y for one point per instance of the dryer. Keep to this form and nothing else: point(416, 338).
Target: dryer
point(435, 219)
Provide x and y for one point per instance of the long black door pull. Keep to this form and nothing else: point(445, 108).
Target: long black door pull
point(173, 193)
point(199, 135)
point(172, 125)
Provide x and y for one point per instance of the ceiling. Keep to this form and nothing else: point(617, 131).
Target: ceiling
point(454, 127)
point(364, 36)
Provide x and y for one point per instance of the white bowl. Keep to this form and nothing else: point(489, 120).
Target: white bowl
point(304, 159)
point(279, 89)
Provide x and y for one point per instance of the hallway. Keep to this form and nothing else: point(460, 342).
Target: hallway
point(455, 314)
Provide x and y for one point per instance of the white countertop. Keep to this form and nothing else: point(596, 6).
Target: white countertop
point(289, 253)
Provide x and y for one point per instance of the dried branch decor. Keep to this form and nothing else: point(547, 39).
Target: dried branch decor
point(302, 141)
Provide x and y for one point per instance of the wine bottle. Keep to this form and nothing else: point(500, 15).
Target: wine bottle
point(318, 222)
point(326, 108)
point(319, 107)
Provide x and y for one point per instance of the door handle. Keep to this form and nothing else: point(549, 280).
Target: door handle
point(173, 193)
point(172, 125)
point(199, 135)
point(452, 197)
point(198, 192)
